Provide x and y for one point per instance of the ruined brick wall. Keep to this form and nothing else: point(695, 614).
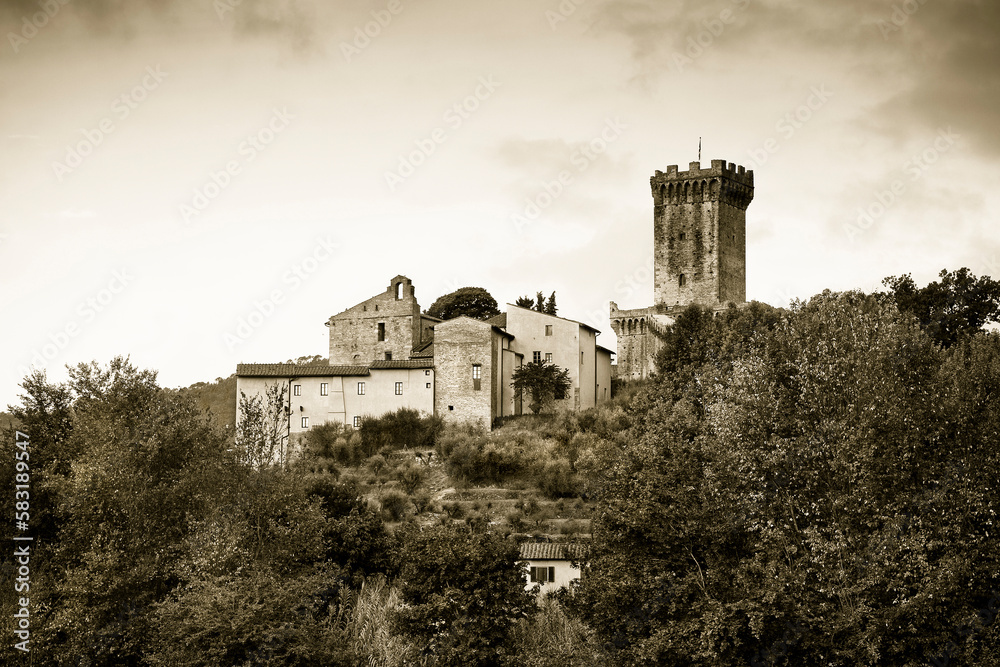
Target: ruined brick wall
point(354, 333)
point(699, 234)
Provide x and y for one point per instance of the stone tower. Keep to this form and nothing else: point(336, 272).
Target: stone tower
point(699, 234)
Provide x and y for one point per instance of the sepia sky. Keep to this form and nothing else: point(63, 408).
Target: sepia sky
point(197, 184)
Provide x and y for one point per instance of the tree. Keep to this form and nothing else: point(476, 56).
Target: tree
point(262, 431)
point(958, 305)
point(525, 302)
point(550, 305)
point(474, 302)
point(543, 381)
point(464, 595)
point(539, 303)
point(820, 495)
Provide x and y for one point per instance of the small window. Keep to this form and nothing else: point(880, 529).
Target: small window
point(683, 236)
point(357, 422)
point(548, 357)
point(388, 356)
point(581, 356)
point(682, 280)
point(305, 422)
point(536, 357)
point(361, 389)
point(428, 385)
point(399, 389)
point(451, 407)
point(399, 291)
point(477, 374)
point(427, 372)
point(381, 331)
point(297, 390)
point(548, 329)
point(324, 389)
point(542, 575)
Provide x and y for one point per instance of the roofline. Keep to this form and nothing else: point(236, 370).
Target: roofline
point(566, 319)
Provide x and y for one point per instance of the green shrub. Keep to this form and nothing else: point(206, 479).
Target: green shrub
point(405, 427)
point(410, 476)
point(395, 504)
point(557, 479)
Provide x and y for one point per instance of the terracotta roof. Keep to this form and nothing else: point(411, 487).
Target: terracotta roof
point(402, 363)
point(498, 320)
point(550, 551)
point(423, 350)
point(293, 370)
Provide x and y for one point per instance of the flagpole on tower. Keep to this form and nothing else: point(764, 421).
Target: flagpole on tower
point(699, 149)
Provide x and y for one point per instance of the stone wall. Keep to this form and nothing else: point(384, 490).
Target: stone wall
point(354, 333)
point(458, 345)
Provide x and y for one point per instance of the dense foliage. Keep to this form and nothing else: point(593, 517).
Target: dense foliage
point(474, 302)
point(543, 382)
point(814, 486)
point(810, 487)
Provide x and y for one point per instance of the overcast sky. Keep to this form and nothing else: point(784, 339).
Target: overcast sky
point(197, 184)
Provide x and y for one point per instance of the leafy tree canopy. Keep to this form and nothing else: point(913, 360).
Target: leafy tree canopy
point(544, 382)
point(957, 304)
point(474, 302)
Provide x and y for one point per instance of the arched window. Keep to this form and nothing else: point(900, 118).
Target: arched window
point(399, 291)
point(682, 280)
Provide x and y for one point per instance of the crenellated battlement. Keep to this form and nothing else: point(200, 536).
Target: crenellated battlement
point(726, 182)
point(719, 168)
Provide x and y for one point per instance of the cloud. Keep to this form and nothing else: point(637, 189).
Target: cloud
point(914, 64)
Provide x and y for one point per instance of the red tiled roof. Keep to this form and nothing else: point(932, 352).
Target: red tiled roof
point(402, 363)
point(294, 370)
point(550, 551)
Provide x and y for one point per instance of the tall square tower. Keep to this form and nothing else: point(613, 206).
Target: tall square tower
point(699, 234)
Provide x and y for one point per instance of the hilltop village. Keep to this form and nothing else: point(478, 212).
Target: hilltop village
point(385, 354)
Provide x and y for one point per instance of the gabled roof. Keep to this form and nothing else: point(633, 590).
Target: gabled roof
point(488, 323)
point(498, 320)
point(402, 363)
point(295, 370)
point(566, 319)
point(550, 551)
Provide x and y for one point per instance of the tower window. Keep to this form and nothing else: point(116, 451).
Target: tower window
point(477, 374)
point(683, 236)
point(381, 331)
point(399, 291)
point(388, 356)
point(682, 280)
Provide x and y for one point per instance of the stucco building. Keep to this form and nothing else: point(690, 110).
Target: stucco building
point(385, 355)
point(699, 255)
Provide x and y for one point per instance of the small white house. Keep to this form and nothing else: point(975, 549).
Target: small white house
point(550, 565)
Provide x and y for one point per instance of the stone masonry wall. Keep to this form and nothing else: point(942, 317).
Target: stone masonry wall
point(458, 344)
point(354, 332)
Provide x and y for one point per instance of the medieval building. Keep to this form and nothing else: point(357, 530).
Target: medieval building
point(699, 255)
point(385, 354)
